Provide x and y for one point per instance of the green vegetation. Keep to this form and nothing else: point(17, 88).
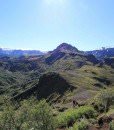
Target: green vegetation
point(30, 114)
point(112, 125)
point(104, 99)
point(60, 77)
point(83, 125)
point(72, 115)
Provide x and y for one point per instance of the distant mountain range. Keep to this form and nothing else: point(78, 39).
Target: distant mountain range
point(64, 47)
point(18, 53)
point(103, 53)
point(21, 77)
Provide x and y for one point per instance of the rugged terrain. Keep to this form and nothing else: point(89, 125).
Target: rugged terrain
point(20, 74)
point(60, 76)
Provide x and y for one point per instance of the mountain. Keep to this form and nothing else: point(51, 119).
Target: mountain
point(67, 55)
point(109, 61)
point(20, 76)
point(101, 54)
point(18, 53)
point(24, 76)
point(64, 57)
point(62, 76)
point(66, 48)
point(61, 49)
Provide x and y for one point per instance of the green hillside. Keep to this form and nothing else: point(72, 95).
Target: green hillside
point(60, 77)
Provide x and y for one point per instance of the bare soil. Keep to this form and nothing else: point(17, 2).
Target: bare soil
point(105, 127)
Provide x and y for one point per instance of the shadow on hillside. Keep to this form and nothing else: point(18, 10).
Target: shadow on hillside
point(51, 83)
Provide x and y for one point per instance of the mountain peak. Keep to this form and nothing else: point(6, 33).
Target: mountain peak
point(64, 45)
point(67, 48)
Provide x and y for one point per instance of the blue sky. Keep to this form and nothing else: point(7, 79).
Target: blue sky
point(44, 24)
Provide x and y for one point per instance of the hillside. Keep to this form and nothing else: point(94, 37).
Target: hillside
point(78, 86)
point(19, 75)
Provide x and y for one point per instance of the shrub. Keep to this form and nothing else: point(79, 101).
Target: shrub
point(30, 115)
point(71, 115)
point(83, 125)
point(104, 100)
point(42, 117)
point(112, 125)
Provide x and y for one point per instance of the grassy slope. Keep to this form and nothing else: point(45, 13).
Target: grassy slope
point(88, 80)
point(85, 83)
point(84, 80)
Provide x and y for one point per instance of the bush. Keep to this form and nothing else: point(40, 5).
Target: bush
point(83, 125)
point(72, 115)
point(104, 100)
point(30, 115)
point(112, 125)
point(42, 117)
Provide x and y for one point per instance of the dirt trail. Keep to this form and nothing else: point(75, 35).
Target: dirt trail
point(105, 127)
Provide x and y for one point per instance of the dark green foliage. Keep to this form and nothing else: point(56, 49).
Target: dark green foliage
point(30, 114)
point(104, 100)
point(72, 115)
point(112, 125)
point(83, 125)
point(42, 117)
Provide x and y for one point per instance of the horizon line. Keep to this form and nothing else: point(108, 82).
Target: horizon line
point(28, 49)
